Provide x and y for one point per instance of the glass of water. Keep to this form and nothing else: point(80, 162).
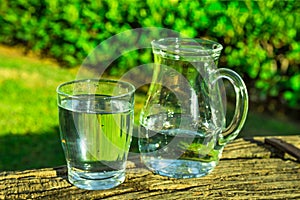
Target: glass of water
point(96, 123)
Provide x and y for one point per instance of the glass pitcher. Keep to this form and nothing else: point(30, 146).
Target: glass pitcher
point(182, 129)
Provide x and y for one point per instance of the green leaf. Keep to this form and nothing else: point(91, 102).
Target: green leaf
point(295, 82)
point(288, 95)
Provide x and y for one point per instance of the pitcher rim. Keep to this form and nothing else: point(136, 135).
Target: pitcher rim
point(188, 45)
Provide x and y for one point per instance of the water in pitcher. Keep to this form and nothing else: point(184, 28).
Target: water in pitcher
point(179, 153)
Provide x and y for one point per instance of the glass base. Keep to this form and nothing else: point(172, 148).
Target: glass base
point(180, 168)
point(96, 180)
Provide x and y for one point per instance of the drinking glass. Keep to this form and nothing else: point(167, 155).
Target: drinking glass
point(182, 129)
point(96, 123)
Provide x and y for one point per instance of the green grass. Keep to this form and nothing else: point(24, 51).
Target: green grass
point(260, 124)
point(28, 94)
point(29, 135)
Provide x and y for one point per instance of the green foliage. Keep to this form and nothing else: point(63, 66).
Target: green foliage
point(260, 39)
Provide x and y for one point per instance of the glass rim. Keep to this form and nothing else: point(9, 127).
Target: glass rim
point(127, 84)
point(179, 45)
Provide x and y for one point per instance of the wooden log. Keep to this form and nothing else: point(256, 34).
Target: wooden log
point(240, 174)
point(284, 147)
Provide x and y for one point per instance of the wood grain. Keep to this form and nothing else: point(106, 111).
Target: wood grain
point(247, 170)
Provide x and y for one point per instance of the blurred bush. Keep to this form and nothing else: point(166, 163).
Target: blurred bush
point(261, 38)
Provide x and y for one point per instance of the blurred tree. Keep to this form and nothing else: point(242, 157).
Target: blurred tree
point(260, 39)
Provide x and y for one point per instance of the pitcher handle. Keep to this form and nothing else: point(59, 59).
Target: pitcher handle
point(241, 106)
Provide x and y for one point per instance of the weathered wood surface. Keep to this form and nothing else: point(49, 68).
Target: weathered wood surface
point(249, 169)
